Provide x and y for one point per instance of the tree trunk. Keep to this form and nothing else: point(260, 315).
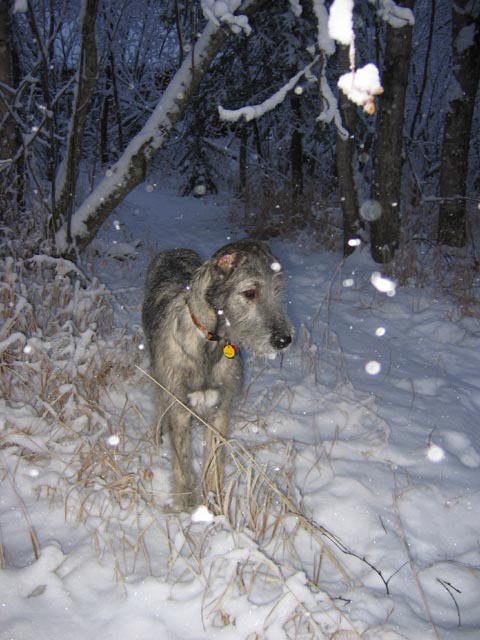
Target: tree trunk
point(116, 102)
point(44, 73)
point(242, 159)
point(458, 123)
point(345, 149)
point(11, 174)
point(7, 123)
point(385, 230)
point(67, 173)
point(131, 168)
point(105, 118)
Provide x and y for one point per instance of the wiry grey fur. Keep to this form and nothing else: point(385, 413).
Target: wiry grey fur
point(235, 295)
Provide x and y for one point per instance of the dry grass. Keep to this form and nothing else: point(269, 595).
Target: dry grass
point(452, 273)
point(57, 370)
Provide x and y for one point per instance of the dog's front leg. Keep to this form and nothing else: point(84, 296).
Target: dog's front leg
point(214, 457)
point(179, 428)
point(226, 379)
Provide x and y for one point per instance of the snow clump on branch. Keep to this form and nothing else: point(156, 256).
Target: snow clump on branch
point(218, 11)
point(324, 41)
point(296, 8)
point(340, 22)
point(20, 6)
point(361, 86)
point(397, 17)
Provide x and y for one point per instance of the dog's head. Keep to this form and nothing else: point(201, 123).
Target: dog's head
point(245, 288)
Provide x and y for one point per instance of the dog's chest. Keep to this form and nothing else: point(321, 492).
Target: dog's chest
point(216, 366)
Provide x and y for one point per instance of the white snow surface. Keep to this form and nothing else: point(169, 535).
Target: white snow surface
point(370, 526)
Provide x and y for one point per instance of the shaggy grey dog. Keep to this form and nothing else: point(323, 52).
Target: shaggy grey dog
point(195, 317)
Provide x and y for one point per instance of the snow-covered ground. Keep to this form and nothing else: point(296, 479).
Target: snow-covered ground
point(353, 485)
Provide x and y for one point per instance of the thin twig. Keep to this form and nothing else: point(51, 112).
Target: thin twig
point(447, 586)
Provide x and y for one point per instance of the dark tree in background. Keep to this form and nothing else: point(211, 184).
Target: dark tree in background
point(452, 229)
point(345, 156)
point(85, 84)
point(387, 175)
point(7, 124)
point(10, 189)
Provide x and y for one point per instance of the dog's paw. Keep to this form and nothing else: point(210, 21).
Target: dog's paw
point(203, 399)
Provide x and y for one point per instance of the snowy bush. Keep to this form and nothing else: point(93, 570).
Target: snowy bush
point(60, 359)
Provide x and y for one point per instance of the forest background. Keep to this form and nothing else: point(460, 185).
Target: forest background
point(92, 94)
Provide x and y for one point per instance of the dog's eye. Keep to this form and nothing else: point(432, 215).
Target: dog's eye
point(250, 294)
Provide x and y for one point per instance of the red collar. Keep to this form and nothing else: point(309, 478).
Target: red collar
point(213, 337)
point(229, 349)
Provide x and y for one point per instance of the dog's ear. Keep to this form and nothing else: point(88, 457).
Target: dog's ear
point(227, 262)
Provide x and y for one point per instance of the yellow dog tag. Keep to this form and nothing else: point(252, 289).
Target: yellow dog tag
point(229, 351)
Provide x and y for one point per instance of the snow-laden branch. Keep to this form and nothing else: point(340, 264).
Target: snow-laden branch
point(20, 6)
point(131, 168)
point(361, 86)
point(296, 7)
point(255, 111)
point(330, 110)
point(324, 41)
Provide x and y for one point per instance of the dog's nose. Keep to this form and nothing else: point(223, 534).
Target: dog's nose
point(281, 341)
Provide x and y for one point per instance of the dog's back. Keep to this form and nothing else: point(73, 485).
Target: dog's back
point(167, 274)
